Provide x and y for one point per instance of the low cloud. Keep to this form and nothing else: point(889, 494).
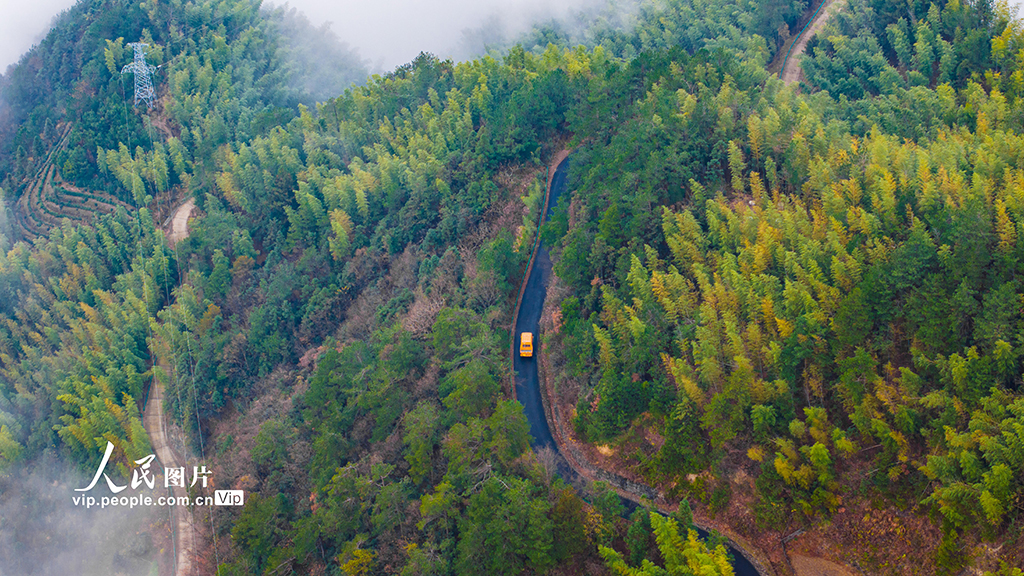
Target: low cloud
point(24, 24)
point(393, 32)
point(388, 32)
point(43, 532)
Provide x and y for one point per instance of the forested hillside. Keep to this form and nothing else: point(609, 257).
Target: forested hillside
point(379, 234)
point(811, 287)
point(822, 289)
point(67, 103)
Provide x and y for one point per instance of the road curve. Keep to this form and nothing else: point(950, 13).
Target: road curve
point(791, 71)
point(528, 320)
point(527, 378)
point(179, 222)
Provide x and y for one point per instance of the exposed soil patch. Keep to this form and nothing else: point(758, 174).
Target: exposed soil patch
point(877, 539)
point(158, 118)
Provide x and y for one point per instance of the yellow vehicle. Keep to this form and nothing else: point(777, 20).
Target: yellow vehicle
point(526, 344)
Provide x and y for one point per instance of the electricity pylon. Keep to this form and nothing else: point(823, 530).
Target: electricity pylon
point(143, 83)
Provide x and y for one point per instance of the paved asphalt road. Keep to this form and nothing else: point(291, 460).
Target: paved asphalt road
point(527, 379)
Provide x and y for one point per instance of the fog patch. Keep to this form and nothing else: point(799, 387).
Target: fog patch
point(319, 64)
point(24, 24)
point(388, 32)
point(42, 532)
point(590, 24)
point(393, 32)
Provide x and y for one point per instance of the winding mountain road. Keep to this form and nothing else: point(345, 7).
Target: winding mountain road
point(153, 422)
point(528, 320)
point(527, 377)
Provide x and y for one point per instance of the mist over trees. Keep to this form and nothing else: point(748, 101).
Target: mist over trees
point(45, 532)
point(322, 66)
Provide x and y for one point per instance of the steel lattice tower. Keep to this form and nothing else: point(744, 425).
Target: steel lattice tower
point(143, 83)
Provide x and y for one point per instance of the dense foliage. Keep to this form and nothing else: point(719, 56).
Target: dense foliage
point(803, 284)
point(400, 210)
point(794, 285)
point(878, 48)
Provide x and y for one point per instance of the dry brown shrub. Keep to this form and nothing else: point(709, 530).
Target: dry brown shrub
point(423, 313)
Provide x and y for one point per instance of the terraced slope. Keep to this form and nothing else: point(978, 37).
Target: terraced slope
point(48, 200)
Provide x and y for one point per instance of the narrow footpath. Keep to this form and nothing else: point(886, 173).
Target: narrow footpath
point(527, 387)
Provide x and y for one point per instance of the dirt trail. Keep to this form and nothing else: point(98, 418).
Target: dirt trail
point(152, 420)
point(179, 224)
point(791, 71)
